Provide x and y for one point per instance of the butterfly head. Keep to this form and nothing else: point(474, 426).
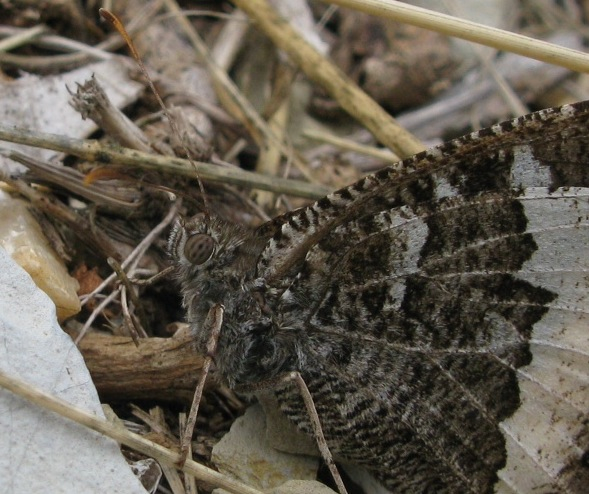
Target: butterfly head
point(213, 258)
point(191, 241)
point(216, 264)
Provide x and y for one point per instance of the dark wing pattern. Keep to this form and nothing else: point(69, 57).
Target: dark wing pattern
point(443, 311)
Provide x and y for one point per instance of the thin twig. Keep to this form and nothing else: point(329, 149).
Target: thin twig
point(130, 262)
point(101, 153)
point(128, 322)
point(164, 273)
point(133, 258)
point(212, 323)
point(97, 310)
point(190, 484)
point(119, 434)
point(385, 155)
point(129, 289)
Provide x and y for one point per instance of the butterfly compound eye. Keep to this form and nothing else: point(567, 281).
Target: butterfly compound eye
point(199, 248)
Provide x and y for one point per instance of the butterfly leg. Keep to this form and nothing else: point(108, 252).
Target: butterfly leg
point(213, 324)
point(298, 380)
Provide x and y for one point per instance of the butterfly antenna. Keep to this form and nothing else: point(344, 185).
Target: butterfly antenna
point(108, 16)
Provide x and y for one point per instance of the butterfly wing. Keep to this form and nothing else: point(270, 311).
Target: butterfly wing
point(444, 307)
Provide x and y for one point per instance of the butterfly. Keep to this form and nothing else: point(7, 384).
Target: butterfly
point(437, 310)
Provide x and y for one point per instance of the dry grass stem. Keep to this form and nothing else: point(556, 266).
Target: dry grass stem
point(22, 37)
point(471, 31)
point(324, 72)
point(348, 145)
point(234, 101)
point(123, 436)
point(96, 152)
